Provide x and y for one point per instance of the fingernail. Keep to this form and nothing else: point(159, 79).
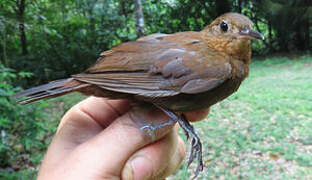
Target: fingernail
point(138, 168)
point(142, 168)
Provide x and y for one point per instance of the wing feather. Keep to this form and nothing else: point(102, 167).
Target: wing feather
point(131, 83)
point(158, 66)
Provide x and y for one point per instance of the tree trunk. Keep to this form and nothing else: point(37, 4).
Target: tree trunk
point(140, 28)
point(20, 13)
point(270, 35)
point(307, 33)
point(92, 22)
point(23, 39)
point(240, 6)
point(5, 59)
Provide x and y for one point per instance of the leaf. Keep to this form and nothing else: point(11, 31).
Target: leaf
point(47, 30)
point(4, 93)
point(42, 17)
point(25, 74)
point(274, 156)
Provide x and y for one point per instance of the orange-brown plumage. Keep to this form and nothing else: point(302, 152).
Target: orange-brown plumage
point(179, 72)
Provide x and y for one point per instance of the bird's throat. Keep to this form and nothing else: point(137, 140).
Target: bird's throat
point(242, 50)
point(235, 47)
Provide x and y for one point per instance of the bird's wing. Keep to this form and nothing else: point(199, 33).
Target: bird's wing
point(158, 66)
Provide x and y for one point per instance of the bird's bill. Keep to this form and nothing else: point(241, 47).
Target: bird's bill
point(251, 34)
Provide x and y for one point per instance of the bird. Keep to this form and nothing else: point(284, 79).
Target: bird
point(177, 73)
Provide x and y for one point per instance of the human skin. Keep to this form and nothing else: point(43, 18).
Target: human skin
point(101, 139)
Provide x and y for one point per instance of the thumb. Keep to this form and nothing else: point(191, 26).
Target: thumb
point(106, 154)
point(157, 160)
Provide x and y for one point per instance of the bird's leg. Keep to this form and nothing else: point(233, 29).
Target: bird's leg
point(151, 128)
point(171, 121)
point(196, 149)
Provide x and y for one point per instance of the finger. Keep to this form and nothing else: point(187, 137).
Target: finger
point(153, 161)
point(175, 161)
point(82, 122)
point(197, 115)
point(88, 118)
point(101, 110)
point(108, 151)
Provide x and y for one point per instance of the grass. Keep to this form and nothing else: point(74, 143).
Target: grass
point(261, 132)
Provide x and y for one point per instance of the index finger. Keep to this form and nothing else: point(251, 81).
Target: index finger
point(101, 110)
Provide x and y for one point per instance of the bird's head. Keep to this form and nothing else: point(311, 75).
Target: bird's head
point(231, 33)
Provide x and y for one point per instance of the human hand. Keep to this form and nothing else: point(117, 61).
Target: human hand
point(101, 139)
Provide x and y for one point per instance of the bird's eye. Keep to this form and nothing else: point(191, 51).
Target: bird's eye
point(224, 26)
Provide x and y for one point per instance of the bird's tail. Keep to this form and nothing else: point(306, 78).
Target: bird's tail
point(52, 89)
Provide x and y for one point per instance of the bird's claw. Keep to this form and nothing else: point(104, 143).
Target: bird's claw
point(152, 128)
point(196, 149)
point(196, 146)
point(148, 127)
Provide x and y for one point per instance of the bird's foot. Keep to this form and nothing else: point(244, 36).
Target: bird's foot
point(196, 149)
point(152, 128)
point(159, 126)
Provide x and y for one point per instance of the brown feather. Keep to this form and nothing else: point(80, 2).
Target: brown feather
point(52, 89)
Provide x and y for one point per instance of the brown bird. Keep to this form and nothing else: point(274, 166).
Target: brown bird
point(179, 72)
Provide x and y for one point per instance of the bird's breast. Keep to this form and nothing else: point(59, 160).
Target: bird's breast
point(190, 102)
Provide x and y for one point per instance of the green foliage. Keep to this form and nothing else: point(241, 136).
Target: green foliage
point(67, 41)
point(286, 29)
point(22, 130)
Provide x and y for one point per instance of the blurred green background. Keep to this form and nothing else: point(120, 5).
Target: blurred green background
point(261, 132)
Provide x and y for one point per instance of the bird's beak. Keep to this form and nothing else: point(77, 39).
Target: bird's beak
point(251, 33)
